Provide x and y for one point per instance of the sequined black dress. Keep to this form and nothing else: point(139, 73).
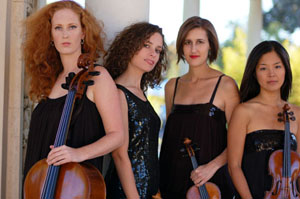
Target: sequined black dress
point(144, 125)
point(258, 147)
point(205, 125)
point(86, 127)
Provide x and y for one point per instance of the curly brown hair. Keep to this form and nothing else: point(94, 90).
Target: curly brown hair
point(42, 60)
point(126, 44)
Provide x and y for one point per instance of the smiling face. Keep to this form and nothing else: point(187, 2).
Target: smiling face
point(66, 32)
point(147, 57)
point(270, 72)
point(196, 47)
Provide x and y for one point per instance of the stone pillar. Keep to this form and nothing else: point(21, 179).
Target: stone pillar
point(255, 24)
point(190, 8)
point(4, 61)
point(116, 15)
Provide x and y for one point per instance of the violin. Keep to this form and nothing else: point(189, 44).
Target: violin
point(71, 180)
point(284, 164)
point(207, 191)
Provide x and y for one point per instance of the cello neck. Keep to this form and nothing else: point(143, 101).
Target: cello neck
point(48, 191)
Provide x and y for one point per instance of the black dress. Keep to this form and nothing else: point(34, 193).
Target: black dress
point(86, 127)
point(258, 147)
point(144, 125)
point(205, 125)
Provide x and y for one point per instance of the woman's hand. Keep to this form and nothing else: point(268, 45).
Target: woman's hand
point(61, 155)
point(203, 173)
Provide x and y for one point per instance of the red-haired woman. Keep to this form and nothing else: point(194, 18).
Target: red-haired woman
point(55, 37)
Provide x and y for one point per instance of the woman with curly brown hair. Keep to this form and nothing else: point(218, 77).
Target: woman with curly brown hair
point(55, 37)
point(136, 60)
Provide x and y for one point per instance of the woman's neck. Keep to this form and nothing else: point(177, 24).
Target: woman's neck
point(130, 78)
point(69, 63)
point(270, 98)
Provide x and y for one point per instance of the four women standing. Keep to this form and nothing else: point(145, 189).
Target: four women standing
point(199, 105)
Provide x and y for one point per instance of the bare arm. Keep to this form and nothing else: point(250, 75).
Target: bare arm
point(169, 93)
point(105, 95)
point(121, 159)
point(236, 141)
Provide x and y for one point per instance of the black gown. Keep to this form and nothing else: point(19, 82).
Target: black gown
point(144, 125)
point(86, 127)
point(259, 145)
point(205, 125)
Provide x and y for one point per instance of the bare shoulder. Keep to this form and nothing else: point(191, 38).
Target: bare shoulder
point(103, 72)
point(296, 110)
point(228, 84)
point(170, 85)
point(243, 110)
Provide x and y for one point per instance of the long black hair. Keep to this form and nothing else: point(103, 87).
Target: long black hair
point(249, 86)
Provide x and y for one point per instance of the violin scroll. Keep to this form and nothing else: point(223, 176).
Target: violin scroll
point(285, 115)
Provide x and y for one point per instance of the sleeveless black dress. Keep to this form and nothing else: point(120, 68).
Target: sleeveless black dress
point(86, 127)
point(144, 125)
point(259, 145)
point(205, 125)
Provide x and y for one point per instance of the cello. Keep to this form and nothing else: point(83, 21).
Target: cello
point(284, 165)
point(207, 191)
point(70, 180)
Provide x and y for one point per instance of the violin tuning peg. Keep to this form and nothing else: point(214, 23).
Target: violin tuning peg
point(89, 82)
point(94, 73)
point(183, 150)
point(280, 114)
point(293, 118)
point(291, 113)
point(280, 120)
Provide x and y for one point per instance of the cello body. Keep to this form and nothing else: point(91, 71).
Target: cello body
point(80, 181)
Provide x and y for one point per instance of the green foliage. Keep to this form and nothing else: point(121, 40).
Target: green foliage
point(294, 53)
point(234, 56)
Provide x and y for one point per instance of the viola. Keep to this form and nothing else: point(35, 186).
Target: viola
point(207, 191)
point(70, 180)
point(284, 164)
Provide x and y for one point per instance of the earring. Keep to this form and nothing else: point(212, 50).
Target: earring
point(52, 43)
point(82, 42)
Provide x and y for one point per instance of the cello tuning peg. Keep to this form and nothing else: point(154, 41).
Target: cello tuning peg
point(65, 86)
point(94, 73)
point(89, 82)
point(71, 75)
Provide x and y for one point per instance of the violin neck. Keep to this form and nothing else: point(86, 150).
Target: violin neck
point(60, 139)
point(202, 189)
point(287, 152)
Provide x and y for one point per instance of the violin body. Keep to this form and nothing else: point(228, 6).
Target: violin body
point(80, 181)
point(212, 190)
point(283, 187)
point(284, 164)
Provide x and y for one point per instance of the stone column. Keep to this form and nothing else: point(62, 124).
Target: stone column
point(116, 15)
point(190, 8)
point(255, 24)
point(4, 61)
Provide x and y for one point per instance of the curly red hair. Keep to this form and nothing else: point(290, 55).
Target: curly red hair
point(42, 60)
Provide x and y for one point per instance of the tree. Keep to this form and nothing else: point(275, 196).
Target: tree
point(284, 15)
